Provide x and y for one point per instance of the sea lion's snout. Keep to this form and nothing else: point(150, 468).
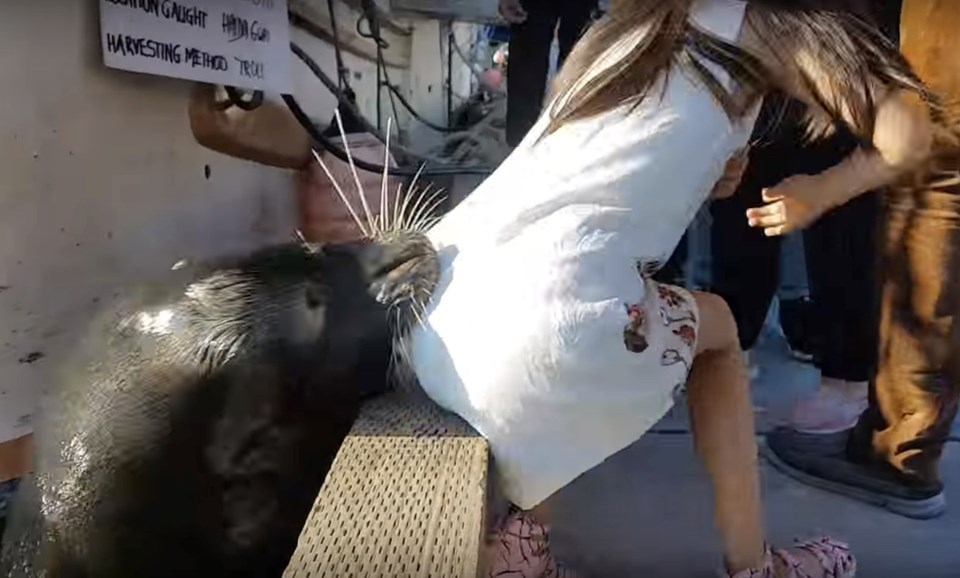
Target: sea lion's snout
point(403, 270)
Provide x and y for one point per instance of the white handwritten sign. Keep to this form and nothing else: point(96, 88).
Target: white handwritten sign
point(242, 43)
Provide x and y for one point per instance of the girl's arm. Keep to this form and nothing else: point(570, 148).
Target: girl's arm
point(902, 141)
point(732, 175)
point(839, 84)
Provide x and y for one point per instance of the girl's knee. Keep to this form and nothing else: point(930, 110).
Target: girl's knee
point(718, 329)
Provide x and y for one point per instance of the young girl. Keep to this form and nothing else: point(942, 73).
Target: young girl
point(547, 333)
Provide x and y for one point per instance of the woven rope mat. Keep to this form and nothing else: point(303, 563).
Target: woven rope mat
point(405, 498)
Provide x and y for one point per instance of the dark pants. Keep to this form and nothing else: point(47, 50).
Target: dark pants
point(840, 252)
point(913, 401)
point(529, 60)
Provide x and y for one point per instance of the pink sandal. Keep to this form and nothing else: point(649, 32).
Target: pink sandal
point(834, 558)
point(520, 548)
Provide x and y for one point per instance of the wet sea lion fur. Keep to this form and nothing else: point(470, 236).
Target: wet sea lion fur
point(194, 430)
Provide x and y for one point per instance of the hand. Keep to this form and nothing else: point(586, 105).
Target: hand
point(512, 11)
point(793, 204)
point(732, 174)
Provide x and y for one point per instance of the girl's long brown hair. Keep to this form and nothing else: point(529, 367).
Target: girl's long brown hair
point(653, 37)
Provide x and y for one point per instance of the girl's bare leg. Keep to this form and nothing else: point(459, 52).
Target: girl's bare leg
point(721, 413)
point(722, 417)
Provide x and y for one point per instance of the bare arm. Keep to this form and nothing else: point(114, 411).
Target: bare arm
point(900, 130)
point(732, 175)
point(902, 140)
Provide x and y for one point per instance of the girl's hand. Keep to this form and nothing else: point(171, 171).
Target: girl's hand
point(512, 11)
point(732, 174)
point(793, 204)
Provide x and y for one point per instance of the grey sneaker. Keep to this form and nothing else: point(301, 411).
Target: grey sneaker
point(820, 460)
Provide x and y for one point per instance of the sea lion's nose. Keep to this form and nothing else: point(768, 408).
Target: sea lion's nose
point(381, 260)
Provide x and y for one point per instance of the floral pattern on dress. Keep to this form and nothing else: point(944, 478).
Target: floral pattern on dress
point(676, 313)
point(687, 334)
point(635, 332)
point(669, 295)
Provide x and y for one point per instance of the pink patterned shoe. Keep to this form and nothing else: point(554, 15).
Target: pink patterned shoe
point(820, 558)
point(520, 548)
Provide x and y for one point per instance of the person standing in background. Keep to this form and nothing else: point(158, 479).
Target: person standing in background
point(892, 456)
point(533, 25)
point(837, 327)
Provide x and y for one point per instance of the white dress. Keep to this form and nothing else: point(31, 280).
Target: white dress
point(546, 333)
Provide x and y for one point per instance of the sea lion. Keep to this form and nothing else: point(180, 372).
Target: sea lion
point(195, 429)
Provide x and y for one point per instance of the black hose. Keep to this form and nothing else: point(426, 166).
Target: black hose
point(235, 96)
point(334, 89)
point(383, 77)
point(341, 69)
point(327, 144)
point(380, 88)
point(336, 151)
point(393, 103)
point(370, 16)
point(406, 104)
point(450, 39)
point(347, 104)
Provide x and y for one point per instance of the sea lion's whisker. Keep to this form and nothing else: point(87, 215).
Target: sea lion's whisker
point(356, 175)
point(393, 310)
point(416, 177)
point(382, 217)
point(421, 197)
point(418, 196)
point(422, 314)
point(427, 210)
point(427, 221)
point(342, 195)
point(428, 224)
point(407, 197)
point(416, 313)
point(396, 207)
point(400, 366)
point(411, 188)
point(429, 203)
point(400, 223)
